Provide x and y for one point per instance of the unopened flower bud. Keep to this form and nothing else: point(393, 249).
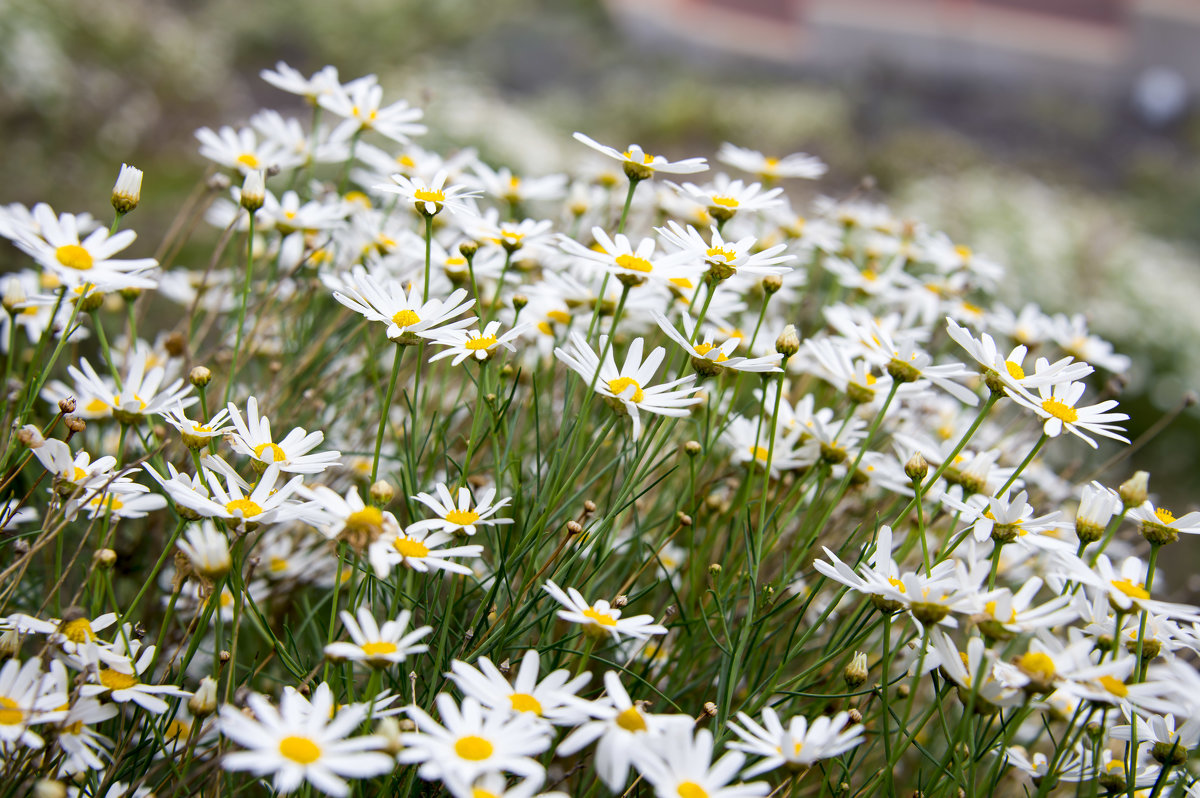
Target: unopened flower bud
point(771, 284)
point(30, 437)
point(788, 342)
point(519, 301)
point(225, 656)
point(66, 405)
point(620, 601)
point(856, 672)
point(130, 293)
point(254, 190)
point(916, 468)
point(683, 518)
point(468, 248)
point(693, 448)
point(200, 376)
point(574, 528)
point(855, 715)
point(382, 492)
point(75, 424)
point(13, 294)
point(127, 191)
point(217, 182)
point(89, 301)
point(204, 701)
point(105, 558)
point(589, 506)
point(714, 569)
point(1135, 490)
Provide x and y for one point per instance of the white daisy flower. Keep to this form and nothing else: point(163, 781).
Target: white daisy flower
point(797, 745)
point(84, 746)
point(56, 246)
point(360, 103)
point(419, 551)
point(28, 697)
point(121, 682)
point(463, 516)
point(553, 698)
point(241, 150)
point(1159, 525)
point(197, 435)
point(404, 312)
point(798, 164)
point(264, 505)
point(253, 439)
point(725, 197)
point(679, 763)
point(601, 619)
point(429, 197)
point(1058, 405)
point(628, 389)
point(286, 78)
point(631, 266)
point(477, 345)
point(710, 359)
point(639, 164)
point(378, 646)
point(302, 741)
point(207, 548)
point(621, 730)
point(470, 742)
point(1009, 370)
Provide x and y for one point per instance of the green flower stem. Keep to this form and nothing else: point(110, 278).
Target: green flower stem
point(386, 409)
point(105, 350)
point(237, 346)
point(1131, 762)
point(429, 256)
point(1037, 447)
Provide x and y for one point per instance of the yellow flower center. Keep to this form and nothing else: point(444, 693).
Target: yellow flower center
point(366, 518)
point(96, 406)
point(405, 318)
point(1164, 515)
point(473, 748)
point(78, 630)
point(115, 680)
point(175, 730)
point(1114, 686)
point(705, 348)
point(248, 160)
point(1135, 590)
point(482, 342)
point(301, 750)
point(278, 564)
point(479, 792)
point(963, 252)
point(602, 618)
point(990, 609)
point(277, 454)
point(246, 507)
point(1063, 412)
point(722, 253)
point(1037, 664)
point(429, 195)
point(725, 202)
point(10, 712)
point(524, 702)
point(896, 583)
point(379, 648)
point(619, 385)
point(760, 453)
point(462, 517)
point(75, 257)
point(408, 547)
point(634, 263)
point(111, 501)
point(1014, 370)
point(646, 157)
point(690, 789)
point(631, 720)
